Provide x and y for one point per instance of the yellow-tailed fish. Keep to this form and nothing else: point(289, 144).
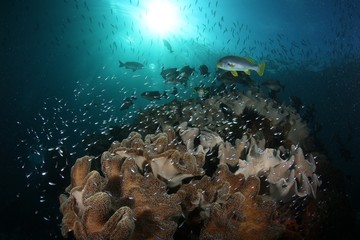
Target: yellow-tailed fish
point(244, 64)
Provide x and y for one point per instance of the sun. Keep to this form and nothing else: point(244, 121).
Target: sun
point(161, 17)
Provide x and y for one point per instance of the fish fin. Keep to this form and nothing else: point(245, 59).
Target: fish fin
point(261, 69)
point(250, 60)
point(247, 72)
point(234, 73)
point(121, 64)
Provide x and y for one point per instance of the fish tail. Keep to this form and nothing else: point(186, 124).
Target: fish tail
point(261, 68)
point(121, 64)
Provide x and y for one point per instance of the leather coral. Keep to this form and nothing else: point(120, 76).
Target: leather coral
point(119, 205)
point(180, 182)
point(293, 176)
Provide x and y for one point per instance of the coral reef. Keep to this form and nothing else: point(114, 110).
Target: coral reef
point(187, 182)
point(227, 167)
point(231, 116)
point(287, 177)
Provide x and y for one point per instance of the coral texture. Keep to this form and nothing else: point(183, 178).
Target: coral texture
point(231, 116)
point(184, 181)
point(287, 177)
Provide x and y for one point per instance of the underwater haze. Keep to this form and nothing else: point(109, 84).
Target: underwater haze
point(77, 75)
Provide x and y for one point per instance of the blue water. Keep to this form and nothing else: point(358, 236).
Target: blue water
point(60, 80)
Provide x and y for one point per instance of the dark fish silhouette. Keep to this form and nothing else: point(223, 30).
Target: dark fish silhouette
point(131, 65)
point(169, 74)
point(167, 45)
point(175, 75)
point(185, 73)
point(204, 70)
point(127, 103)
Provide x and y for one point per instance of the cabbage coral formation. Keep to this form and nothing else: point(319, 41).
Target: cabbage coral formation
point(185, 181)
point(231, 116)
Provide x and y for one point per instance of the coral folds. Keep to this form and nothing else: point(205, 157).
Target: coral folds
point(184, 182)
